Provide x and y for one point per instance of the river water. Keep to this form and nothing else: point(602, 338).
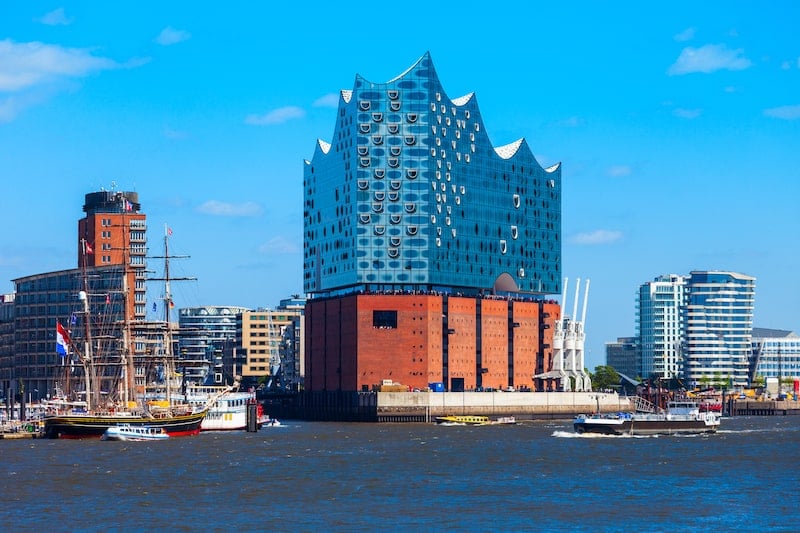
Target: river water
point(312, 476)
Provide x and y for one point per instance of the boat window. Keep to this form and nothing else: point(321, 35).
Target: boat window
point(364, 161)
point(393, 252)
point(411, 117)
point(363, 150)
point(394, 106)
point(379, 195)
point(377, 117)
point(377, 139)
point(411, 230)
point(364, 218)
point(395, 184)
point(364, 105)
point(379, 230)
point(411, 173)
point(379, 173)
point(410, 208)
point(410, 140)
point(363, 185)
point(394, 241)
point(364, 128)
point(394, 150)
point(393, 128)
point(392, 94)
point(395, 219)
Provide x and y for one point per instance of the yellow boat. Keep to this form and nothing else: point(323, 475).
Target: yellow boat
point(465, 420)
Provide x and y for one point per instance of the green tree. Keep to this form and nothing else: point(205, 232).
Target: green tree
point(605, 377)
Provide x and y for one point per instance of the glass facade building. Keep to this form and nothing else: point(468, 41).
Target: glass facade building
point(659, 326)
point(776, 354)
point(410, 194)
point(718, 318)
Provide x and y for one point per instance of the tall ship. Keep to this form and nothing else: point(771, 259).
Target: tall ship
point(681, 416)
point(108, 381)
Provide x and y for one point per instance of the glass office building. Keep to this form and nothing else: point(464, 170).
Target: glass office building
point(719, 323)
point(410, 194)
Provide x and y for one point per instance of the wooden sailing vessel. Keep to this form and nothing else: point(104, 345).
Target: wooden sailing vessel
point(120, 404)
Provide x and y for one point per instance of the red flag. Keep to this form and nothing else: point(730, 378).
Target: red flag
point(88, 247)
point(169, 231)
point(108, 298)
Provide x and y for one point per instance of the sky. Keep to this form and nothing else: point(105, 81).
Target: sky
point(677, 124)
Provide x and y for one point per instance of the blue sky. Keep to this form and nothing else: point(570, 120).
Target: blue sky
point(677, 123)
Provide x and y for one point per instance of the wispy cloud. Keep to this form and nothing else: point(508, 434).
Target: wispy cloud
point(685, 35)
point(24, 65)
point(786, 112)
point(600, 236)
point(170, 35)
point(279, 245)
point(571, 122)
point(225, 209)
point(686, 113)
point(329, 100)
point(707, 59)
point(618, 171)
point(276, 116)
point(57, 17)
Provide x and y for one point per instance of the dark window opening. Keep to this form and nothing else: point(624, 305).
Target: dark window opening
point(384, 319)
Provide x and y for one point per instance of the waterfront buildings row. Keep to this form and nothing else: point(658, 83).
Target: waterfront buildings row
point(212, 343)
point(699, 328)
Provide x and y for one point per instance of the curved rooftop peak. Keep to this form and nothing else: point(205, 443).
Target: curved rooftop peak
point(346, 95)
point(426, 55)
point(552, 168)
point(461, 100)
point(507, 151)
point(325, 147)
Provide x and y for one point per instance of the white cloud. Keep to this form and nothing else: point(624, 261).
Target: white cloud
point(572, 122)
point(279, 245)
point(708, 58)
point(786, 112)
point(217, 208)
point(686, 113)
point(600, 236)
point(276, 116)
point(57, 17)
point(685, 35)
point(170, 36)
point(618, 171)
point(786, 65)
point(329, 100)
point(25, 65)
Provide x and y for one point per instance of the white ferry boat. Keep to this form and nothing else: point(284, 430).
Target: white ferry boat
point(126, 432)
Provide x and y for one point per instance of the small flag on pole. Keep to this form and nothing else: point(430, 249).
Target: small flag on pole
point(108, 298)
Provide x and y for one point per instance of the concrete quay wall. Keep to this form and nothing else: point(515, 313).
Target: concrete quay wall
point(425, 406)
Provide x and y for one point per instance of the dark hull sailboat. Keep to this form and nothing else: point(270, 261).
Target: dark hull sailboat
point(87, 426)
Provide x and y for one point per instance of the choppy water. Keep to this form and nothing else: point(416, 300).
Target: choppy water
point(535, 476)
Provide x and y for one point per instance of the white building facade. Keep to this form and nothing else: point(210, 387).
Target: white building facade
point(659, 326)
point(718, 318)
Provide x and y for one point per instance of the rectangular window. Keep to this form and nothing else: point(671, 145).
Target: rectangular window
point(384, 319)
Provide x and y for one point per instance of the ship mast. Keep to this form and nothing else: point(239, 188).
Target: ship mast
point(168, 355)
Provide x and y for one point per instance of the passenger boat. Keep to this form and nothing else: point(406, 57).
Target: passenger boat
point(228, 410)
point(680, 417)
point(127, 432)
point(473, 420)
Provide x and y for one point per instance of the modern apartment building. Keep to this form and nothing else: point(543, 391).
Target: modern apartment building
point(428, 252)
point(206, 334)
point(776, 354)
point(269, 345)
point(659, 326)
point(718, 319)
